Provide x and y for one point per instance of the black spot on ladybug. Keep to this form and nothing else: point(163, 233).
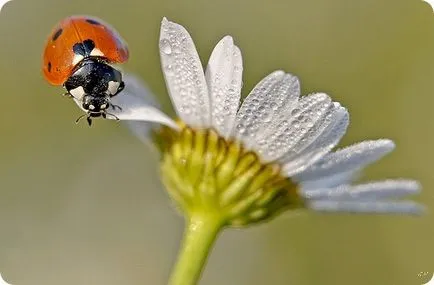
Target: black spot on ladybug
point(57, 34)
point(79, 49)
point(93, 22)
point(89, 45)
point(85, 48)
point(49, 66)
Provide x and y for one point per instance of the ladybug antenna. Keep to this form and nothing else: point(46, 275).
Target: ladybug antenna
point(79, 118)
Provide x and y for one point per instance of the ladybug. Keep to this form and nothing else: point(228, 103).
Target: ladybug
point(79, 55)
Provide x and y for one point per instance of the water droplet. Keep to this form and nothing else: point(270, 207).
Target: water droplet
point(169, 70)
point(165, 46)
point(295, 112)
point(177, 49)
point(266, 117)
point(251, 128)
point(241, 128)
point(185, 110)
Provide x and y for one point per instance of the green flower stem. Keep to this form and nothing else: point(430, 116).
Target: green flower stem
point(199, 236)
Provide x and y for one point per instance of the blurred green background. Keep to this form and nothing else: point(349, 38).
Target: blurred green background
point(83, 205)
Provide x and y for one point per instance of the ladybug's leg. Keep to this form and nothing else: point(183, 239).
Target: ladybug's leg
point(114, 116)
point(116, 106)
point(67, 94)
point(89, 120)
point(121, 87)
point(79, 118)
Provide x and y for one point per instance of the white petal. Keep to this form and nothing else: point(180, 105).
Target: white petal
point(404, 208)
point(135, 87)
point(272, 97)
point(324, 136)
point(224, 79)
point(136, 105)
point(347, 159)
point(184, 75)
point(369, 191)
point(332, 181)
point(295, 125)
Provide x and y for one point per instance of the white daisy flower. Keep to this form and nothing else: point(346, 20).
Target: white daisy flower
point(272, 153)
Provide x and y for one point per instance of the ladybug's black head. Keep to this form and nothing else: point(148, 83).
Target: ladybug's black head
point(95, 104)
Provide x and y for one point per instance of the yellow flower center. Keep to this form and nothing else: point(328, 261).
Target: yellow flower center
point(205, 173)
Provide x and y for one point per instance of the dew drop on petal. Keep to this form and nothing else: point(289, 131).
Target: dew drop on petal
point(177, 50)
point(165, 46)
point(241, 128)
point(169, 70)
point(266, 117)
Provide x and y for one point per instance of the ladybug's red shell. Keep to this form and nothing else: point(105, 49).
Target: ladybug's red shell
point(59, 56)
